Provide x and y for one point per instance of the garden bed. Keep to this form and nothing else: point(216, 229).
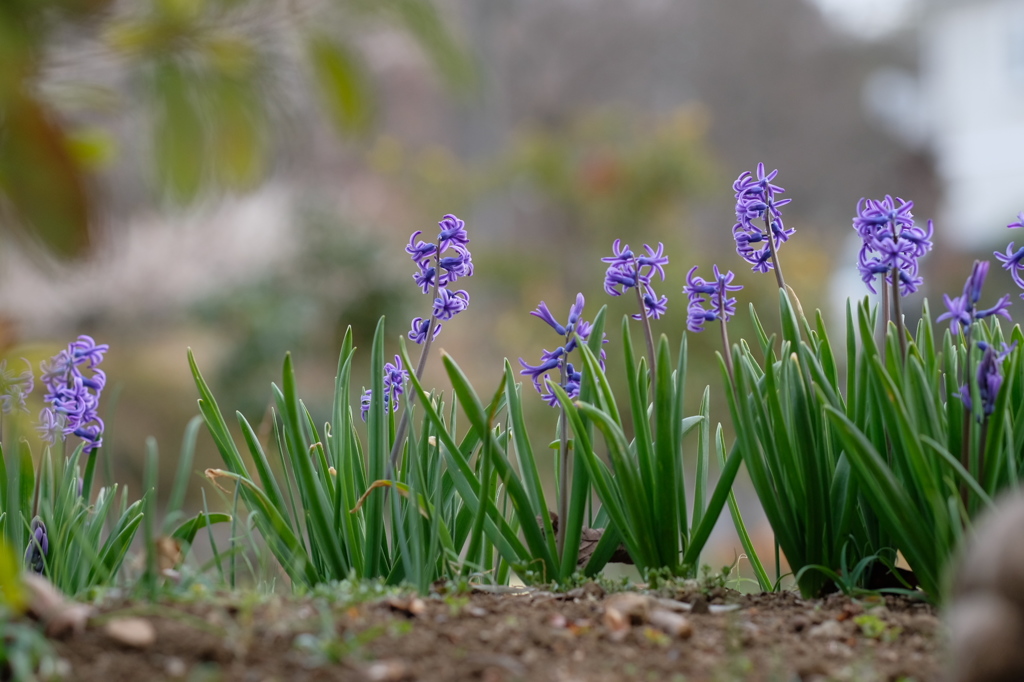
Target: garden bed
point(527, 634)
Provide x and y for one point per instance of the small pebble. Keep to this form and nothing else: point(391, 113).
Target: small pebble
point(830, 629)
point(137, 633)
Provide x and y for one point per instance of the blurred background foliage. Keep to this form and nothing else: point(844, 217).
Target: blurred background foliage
point(241, 176)
point(209, 76)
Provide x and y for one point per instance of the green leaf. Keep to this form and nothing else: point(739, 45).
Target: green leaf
point(179, 136)
point(343, 84)
point(186, 532)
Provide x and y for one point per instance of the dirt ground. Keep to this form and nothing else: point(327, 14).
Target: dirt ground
point(509, 634)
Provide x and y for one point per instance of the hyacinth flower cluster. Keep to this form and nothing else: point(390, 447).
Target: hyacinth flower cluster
point(575, 330)
point(713, 294)
point(38, 547)
point(891, 247)
point(892, 244)
point(395, 376)
point(989, 377)
point(73, 382)
point(962, 312)
point(757, 200)
point(627, 270)
point(441, 263)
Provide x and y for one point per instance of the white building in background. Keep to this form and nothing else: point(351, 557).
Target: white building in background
point(966, 106)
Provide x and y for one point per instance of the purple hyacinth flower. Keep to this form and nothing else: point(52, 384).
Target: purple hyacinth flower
point(459, 265)
point(38, 547)
point(958, 312)
point(425, 277)
point(448, 304)
point(537, 373)
point(420, 250)
point(1020, 221)
point(453, 232)
point(1011, 261)
point(655, 259)
point(50, 426)
point(85, 351)
point(544, 313)
point(14, 388)
point(697, 317)
point(697, 286)
point(420, 327)
point(655, 307)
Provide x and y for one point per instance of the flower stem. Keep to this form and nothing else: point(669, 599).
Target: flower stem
point(403, 424)
point(648, 336)
point(884, 296)
point(965, 446)
point(728, 354)
point(771, 247)
point(563, 471)
point(897, 313)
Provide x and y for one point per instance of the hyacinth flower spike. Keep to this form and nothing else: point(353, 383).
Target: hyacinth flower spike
point(627, 270)
point(756, 199)
point(74, 382)
point(14, 388)
point(963, 312)
point(575, 331)
point(710, 300)
point(439, 264)
point(891, 247)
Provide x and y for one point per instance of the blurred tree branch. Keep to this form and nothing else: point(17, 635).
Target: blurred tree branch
point(202, 69)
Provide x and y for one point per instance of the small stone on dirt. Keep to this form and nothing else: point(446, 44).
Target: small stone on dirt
point(137, 633)
point(634, 607)
point(389, 671)
point(409, 606)
point(830, 629)
point(671, 623)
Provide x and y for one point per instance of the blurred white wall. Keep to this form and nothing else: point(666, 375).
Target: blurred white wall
point(972, 97)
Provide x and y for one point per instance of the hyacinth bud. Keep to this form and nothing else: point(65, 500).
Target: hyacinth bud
point(38, 547)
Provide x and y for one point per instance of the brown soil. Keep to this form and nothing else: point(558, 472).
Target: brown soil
point(529, 635)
